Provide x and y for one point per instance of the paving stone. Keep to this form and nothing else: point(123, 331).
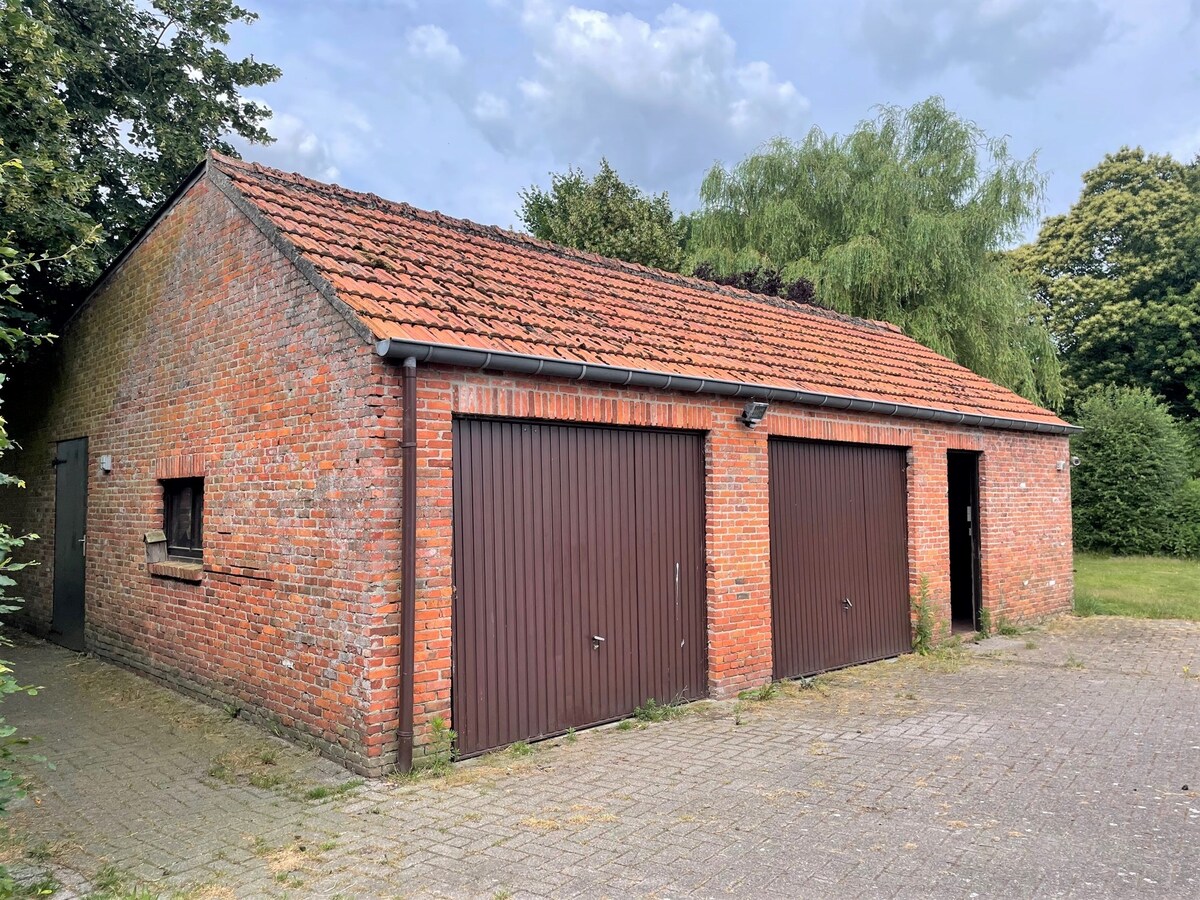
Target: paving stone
point(1050, 765)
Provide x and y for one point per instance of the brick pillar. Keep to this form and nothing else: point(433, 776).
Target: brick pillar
point(928, 538)
point(739, 570)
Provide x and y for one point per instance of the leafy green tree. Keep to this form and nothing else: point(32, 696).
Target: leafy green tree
point(108, 104)
point(11, 264)
point(904, 219)
point(1119, 278)
point(605, 215)
point(1135, 462)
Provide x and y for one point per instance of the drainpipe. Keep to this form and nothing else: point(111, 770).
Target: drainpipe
point(408, 554)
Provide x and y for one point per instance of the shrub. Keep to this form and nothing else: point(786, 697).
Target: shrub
point(1187, 520)
point(1134, 461)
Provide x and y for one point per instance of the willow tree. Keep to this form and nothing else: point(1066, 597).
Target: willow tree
point(904, 219)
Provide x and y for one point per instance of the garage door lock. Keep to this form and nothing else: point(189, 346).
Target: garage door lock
point(596, 641)
point(846, 604)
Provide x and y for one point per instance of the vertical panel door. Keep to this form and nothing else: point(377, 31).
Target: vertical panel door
point(839, 560)
point(578, 573)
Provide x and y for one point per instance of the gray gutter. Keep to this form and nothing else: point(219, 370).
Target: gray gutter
point(518, 363)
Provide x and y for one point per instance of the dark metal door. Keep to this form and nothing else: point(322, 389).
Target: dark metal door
point(839, 557)
point(579, 576)
point(70, 542)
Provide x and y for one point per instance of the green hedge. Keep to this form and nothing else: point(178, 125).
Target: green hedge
point(1134, 466)
point(1187, 520)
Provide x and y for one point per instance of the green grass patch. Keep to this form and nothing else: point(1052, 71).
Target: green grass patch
point(653, 711)
point(1145, 587)
point(761, 694)
point(324, 791)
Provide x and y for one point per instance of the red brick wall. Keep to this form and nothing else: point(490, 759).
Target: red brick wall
point(208, 354)
point(1025, 509)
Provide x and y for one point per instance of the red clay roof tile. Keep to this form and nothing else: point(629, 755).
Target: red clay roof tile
point(422, 276)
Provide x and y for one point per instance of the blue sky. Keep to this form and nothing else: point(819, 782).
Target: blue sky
point(458, 104)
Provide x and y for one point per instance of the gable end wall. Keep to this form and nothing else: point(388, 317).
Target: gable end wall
point(207, 352)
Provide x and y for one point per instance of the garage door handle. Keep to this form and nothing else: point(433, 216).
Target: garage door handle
point(846, 604)
point(596, 641)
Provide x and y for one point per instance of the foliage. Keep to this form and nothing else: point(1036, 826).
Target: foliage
point(108, 104)
point(922, 607)
point(766, 691)
point(12, 263)
point(1135, 460)
point(903, 220)
point(653, 711)
point(760, 281)
point(1119, 278)
point(9, 544)
point(441, 747)
point(1185, 541)
point(1142, 586)
point(607, 216)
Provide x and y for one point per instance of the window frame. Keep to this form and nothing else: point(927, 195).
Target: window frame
point(173, 490)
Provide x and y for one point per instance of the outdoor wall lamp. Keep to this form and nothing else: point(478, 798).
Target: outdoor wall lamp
point(754, 412)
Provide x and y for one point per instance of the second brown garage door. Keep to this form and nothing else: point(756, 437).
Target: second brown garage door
point(579, 576)
point(839, 561)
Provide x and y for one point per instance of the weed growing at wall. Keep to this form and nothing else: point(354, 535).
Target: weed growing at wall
point(923, 623)
point(441, 747)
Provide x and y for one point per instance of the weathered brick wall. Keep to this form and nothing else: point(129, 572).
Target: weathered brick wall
point(1025, 509)
point(208, 354)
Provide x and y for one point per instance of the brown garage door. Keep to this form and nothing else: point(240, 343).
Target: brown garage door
point(839, 560)
point(579, 576)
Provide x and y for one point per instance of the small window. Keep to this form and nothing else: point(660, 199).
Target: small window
point(183, 517)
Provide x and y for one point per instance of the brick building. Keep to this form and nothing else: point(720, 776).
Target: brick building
point(351, 466)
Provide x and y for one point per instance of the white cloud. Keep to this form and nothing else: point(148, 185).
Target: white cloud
point(342, 138)
point(296, 141)
point(429, 42)
point(1009, 46)
point(490, 108)
point(662, 98)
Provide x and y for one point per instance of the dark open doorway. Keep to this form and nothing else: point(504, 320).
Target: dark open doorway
point(70, 542)
point(962, 472)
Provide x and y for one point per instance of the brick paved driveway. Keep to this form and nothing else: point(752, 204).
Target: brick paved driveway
point(1060, 763)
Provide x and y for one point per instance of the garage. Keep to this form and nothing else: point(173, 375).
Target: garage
point(839, 571)
point(579, 576)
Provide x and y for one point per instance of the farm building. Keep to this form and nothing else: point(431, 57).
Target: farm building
point(351, 466)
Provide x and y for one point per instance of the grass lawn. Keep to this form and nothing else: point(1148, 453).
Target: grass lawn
point(1143, 586)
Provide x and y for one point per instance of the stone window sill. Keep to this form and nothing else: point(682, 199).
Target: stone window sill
point(177, 569)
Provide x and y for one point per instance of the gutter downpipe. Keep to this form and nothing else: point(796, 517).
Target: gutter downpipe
point(408, 553)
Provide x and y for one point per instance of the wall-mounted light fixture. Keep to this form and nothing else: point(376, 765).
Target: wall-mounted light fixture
point(754, 412)
point(106, 464)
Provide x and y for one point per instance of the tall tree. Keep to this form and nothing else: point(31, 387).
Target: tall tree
point(108, 104)
point(904, 219)
point(12, 262)
point(1119, 278)
point(605, 215)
